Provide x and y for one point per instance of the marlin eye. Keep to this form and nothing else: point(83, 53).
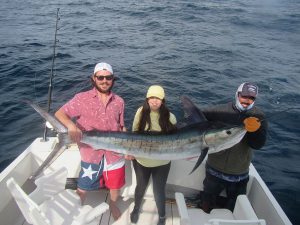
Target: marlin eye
point(228, 132)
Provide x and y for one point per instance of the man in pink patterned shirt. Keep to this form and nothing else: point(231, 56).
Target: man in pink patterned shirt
point(97, 109)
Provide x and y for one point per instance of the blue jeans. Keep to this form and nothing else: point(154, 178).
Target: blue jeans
point(213, 186)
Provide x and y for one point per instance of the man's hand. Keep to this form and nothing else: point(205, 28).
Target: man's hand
point(252, 124)
point(74, 132)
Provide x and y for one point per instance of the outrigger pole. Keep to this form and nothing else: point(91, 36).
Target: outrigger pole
point(51, 74)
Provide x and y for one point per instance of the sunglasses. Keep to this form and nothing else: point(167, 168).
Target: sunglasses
point(100, 78)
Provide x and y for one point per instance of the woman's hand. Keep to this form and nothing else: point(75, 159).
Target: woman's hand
point(129, 157)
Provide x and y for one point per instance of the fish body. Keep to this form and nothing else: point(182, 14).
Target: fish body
point(185, 143)
point(193, 140)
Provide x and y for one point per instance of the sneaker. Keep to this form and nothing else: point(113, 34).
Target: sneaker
point(161, 221)
point(134, 216)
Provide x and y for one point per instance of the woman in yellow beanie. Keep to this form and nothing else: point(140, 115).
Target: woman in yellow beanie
point(153, 116)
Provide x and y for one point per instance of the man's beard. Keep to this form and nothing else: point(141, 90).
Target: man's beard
point(103, 91)
point(100, 90)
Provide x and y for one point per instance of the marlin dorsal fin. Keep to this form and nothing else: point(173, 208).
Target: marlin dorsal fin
point(192, 113)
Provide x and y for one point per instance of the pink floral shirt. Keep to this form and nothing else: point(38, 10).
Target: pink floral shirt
point(91, 114)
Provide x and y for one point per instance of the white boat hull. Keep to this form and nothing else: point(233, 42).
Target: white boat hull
point(263, 202)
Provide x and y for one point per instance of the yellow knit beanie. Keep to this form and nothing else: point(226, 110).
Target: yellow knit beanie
point(156, 91)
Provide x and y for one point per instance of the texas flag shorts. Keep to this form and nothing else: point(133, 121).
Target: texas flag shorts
point(96, 176)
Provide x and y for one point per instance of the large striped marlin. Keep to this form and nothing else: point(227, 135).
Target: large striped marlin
point(197, 138)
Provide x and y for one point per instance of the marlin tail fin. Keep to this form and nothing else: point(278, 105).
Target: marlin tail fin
point(58, 126)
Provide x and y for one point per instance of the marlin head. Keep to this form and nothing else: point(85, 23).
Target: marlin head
point(218, 140)
point(216, 136)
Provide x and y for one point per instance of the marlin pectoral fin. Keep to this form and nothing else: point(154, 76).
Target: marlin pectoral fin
point(60, 147)
point(200, 159)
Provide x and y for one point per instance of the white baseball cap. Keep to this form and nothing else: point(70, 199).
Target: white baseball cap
point(103, 66)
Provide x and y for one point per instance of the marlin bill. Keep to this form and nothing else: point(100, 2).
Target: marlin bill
point(196, 139)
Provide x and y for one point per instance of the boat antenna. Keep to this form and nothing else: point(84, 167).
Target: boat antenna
point(51, 74)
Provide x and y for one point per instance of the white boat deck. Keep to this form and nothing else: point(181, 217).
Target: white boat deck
point(148, 215)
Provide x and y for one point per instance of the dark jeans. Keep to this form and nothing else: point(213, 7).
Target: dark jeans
point(213, 186)
point(159, 177)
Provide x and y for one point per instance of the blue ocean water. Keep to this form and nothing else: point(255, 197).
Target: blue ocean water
point(203, 49)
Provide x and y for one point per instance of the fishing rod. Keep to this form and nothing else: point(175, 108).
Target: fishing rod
point(51, 74)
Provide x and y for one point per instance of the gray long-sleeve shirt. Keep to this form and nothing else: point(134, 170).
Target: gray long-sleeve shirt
point(236, 160)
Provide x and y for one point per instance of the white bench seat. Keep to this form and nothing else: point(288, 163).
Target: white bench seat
point(236, 222)
point(51, 204)
point(243, 214)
